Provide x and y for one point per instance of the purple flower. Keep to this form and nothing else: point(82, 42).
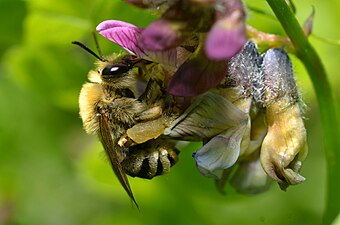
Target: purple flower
point(218, 25)
point(225, 20)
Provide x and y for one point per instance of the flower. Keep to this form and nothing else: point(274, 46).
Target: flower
point(285, 145)
point(224, 21)
point(227, 110)
point(220, 26)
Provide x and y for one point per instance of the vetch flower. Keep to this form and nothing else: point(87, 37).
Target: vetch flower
point(224, 21)
point(277, 133)
point(251, 125)
point(220, 26)
point(203, 118)
point(248, 176)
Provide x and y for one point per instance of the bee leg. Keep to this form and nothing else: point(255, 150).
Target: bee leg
point(149, 114)
point(122, 140)
point(169, 104)
point(152, 92)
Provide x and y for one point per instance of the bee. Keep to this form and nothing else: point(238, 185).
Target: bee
point(110, 105)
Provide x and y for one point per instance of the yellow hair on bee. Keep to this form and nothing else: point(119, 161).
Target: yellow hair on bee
point(89, 97)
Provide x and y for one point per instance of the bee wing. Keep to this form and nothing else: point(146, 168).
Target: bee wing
point(111, 152)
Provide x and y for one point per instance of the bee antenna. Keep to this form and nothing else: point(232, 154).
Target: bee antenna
point(87, 49)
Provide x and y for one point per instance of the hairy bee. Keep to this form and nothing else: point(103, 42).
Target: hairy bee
point(110, 105)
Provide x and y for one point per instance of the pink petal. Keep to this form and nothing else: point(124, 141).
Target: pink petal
point(113, 23)
point(225, 39)
point(128, 36)
point(123, 34)
point(160, 35)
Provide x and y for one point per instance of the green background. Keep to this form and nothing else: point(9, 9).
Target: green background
point(51, 172)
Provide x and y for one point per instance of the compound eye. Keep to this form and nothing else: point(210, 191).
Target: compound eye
point(114, 71)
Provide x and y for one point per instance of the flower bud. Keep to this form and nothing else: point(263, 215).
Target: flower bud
point(243, 69)
point(285, 145)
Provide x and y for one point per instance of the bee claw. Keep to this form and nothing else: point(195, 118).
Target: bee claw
point(122, 141)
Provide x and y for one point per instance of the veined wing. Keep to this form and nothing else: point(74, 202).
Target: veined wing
point(111, 152)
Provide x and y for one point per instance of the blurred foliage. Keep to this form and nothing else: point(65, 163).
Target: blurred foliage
point(51, 172)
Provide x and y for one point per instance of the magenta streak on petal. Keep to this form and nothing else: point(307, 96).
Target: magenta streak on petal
point(123, 34)
point(125, 37)
point(128, 41)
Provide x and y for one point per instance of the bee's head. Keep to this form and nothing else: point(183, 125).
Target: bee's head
point(111, 69)
point(116, 70)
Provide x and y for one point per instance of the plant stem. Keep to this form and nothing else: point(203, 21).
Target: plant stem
point(327, 104)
